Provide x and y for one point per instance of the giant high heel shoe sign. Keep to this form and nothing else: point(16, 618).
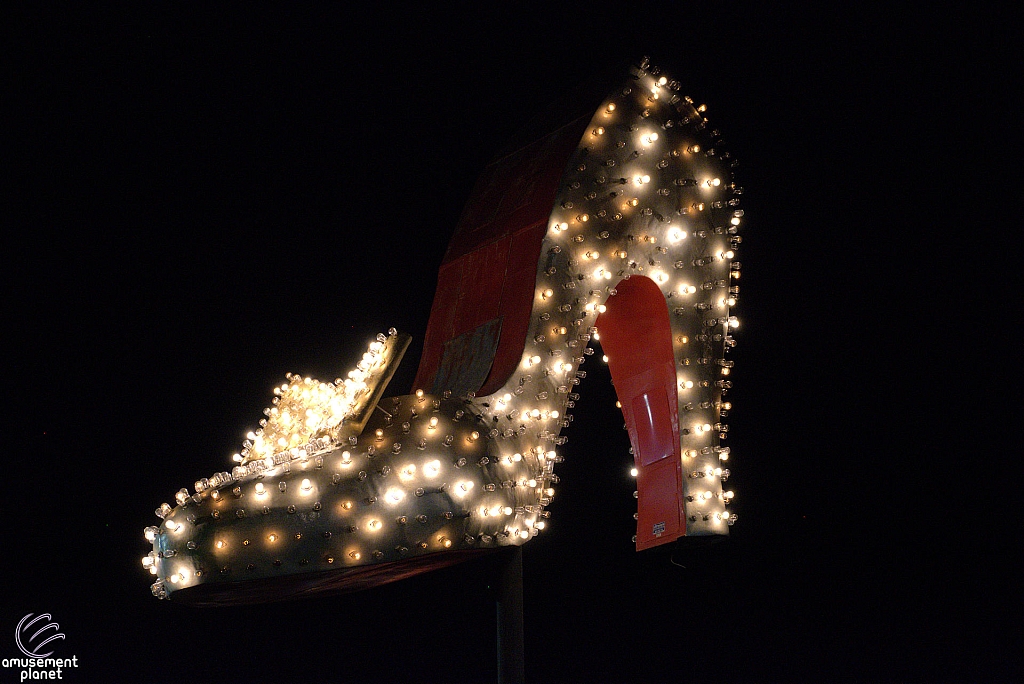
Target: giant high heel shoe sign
point(620, 224)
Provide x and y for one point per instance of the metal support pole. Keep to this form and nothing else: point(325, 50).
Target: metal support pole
point(509, 595)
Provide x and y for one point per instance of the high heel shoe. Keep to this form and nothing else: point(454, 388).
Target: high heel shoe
point(622, 224)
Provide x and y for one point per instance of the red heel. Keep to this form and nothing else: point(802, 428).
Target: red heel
point(637, 338)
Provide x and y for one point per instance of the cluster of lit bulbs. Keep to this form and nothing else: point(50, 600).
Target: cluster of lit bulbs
point(332, 477)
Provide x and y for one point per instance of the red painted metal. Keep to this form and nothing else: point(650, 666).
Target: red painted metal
point(637, 338)
point(490, 269)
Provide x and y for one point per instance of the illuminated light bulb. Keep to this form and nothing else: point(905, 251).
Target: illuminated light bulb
point(271, 538)
point(650, 138)
point(507, 510)
point(583, 218)
point(605, 358)
point(547, 293)
point(150, 533)
point(610, 108)
point(735, 221)
point(445, 542)
point(346, 505)
point(354, 555)
point(662, 81)
point(599, 130)
point(394, 495)
point(237, 458)
point(260, 489)
point(380, 434)
point(675, 235)
point(174, 579)
point(707, 496)
point(541, 524)
point(660, 277)
point(221, 544)
point(307, 486)
point(474, 435)
point(549, 492)
point(728, 495)
point(725, 371)
point(634, 472)
point(432, 468)
point(686, 384)
point(531, 483)
point(374, 525)
point(419, 394)
point(640, 180)
point(728, 254)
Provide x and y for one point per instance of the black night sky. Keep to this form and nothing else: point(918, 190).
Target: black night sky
point(200, 200)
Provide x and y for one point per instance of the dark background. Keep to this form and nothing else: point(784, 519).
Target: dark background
point(200, 200)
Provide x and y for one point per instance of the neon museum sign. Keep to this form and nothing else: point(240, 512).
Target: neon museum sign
point(619, 226)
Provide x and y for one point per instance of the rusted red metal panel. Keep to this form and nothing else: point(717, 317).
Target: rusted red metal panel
point(516, 304)
point(489, 270)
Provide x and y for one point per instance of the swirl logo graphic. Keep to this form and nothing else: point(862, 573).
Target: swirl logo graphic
point(31, 637)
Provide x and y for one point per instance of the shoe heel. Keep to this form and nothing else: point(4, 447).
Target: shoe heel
point(636, 336)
